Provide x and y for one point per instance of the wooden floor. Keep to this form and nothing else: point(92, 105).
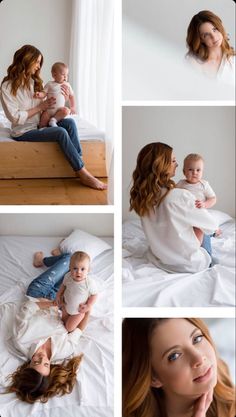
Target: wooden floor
point(50, 192)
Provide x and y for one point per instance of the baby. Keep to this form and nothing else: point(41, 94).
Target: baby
point(201, 189)
point(78, 291)
point(58, 111)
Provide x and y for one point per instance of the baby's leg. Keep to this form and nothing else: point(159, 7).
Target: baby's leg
point(73, 321)
point(44, 119)
point(199, 234)
point(61, 113)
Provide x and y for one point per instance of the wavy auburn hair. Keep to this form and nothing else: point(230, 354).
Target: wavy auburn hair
point(19, 72)
point(142, 400)
point(194, 43)
point(151, 175)
point(30, 386)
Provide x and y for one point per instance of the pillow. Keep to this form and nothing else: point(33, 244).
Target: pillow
point(83, 241)
point(220, 216)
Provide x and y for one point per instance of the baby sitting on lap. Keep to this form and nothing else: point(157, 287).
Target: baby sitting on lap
point(78, 292)
point(58, 111)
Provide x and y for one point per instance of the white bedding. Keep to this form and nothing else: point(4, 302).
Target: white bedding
point(144, 285)
point(86, 130)
point(93, 392)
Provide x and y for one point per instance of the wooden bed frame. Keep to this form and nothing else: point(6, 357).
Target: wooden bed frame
point(46, 160)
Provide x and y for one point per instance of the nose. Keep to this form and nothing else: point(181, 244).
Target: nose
point(197, 359)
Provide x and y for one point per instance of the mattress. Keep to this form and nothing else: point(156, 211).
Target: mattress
point(93, 391)
point(87, 131)
point(145, 285)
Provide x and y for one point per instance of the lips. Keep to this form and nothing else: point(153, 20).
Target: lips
point(204, 376)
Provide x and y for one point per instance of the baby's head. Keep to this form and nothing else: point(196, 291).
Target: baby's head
point(60, 72)
point(193, 168)
point(79, 265)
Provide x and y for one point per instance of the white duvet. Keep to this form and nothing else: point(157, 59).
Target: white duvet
point(93, 392)
point(145, 285)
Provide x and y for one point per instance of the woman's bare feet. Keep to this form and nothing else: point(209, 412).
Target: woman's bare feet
point(88, 179)
point(38, 259)
point(56, 252)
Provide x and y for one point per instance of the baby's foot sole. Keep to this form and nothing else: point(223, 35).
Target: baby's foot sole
point(38, 259)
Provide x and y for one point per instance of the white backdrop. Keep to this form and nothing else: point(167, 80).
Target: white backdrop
point(55, 224)
point(154, 47)
point(44, 24)
point(206, 130)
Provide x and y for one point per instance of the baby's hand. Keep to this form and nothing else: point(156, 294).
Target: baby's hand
point(200, 204)
point(39, 94)
point(83, 308)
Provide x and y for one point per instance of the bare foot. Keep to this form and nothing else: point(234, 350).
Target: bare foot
point(87, 179)
point(38, 259)
point(56, 252)
point(217, 233)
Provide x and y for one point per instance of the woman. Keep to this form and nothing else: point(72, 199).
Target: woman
point(171, 369)
point(41, 340)
point(168, 214)
point(209, 49)
point(23, 109)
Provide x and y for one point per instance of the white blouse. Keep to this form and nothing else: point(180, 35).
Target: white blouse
point(33, 326)
point(169, 231)
point(16, 108)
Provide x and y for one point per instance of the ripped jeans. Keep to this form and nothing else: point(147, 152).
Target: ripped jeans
point(48, 283)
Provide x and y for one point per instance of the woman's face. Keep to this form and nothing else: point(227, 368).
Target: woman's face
point(183, 361)
point(210, 36)
point(40, 362)
point(173, 166)
point(36, 65)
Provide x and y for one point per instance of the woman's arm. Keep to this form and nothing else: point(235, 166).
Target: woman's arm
point(44, 105)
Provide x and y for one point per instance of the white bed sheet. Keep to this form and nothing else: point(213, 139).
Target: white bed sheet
point(93, 392)
point(86, 130)
point(145, 285)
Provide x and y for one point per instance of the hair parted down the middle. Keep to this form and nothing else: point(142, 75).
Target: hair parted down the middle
point(151, 176)
point(30, 386)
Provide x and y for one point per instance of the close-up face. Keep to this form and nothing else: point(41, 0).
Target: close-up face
point(210, 36)
point(183, 361)
point(174, 165)
point(40, 362)
point(60, 75)
point(79, 270)
point(36, 65)
point(193, 171)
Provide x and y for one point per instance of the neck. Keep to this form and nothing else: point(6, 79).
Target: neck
point(215, 54)
point(178, 406)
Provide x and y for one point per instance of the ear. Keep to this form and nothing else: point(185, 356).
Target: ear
point(155, 382)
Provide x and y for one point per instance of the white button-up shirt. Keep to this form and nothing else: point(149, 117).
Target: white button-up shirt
point(33, 326)
point(16, 108)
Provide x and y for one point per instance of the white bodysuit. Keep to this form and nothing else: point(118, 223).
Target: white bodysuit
point(53, 89)
point(201, 190)
point(77, 293)
point(169, 232)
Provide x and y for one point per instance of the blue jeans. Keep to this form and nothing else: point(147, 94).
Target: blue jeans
point(206, 244)
point(66, 135)
point(47, 284)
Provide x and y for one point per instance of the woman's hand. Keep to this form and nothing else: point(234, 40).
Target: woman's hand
point(47, 104)
point(202, 404)
point(65, 91)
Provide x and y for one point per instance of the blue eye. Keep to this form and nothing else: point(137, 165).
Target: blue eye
point(198, 338)
point(173, 356)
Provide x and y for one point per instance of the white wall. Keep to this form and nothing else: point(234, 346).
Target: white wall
point(154, 47)
point(55, 224)
point(206, 130)
point(44, 24)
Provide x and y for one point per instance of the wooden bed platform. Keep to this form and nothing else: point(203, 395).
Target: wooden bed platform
point(46, 160)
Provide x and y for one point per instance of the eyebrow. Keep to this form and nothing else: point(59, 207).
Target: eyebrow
point(177, 346)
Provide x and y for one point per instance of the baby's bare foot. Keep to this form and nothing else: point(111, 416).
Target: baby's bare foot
point(38, 259)
point(218, 233)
